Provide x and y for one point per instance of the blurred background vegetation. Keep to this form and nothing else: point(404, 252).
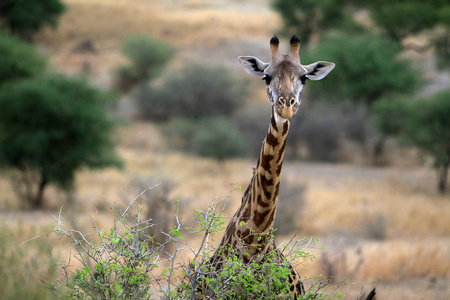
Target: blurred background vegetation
point(153, 89)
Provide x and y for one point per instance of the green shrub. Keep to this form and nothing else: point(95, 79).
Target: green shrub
point(117, 265)
point(147, 58)
point(195, 91)
point(267, 279)
point(217, 137)
point(51, 127)
point(18, 60)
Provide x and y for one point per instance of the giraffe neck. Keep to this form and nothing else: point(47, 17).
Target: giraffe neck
point(259, 202)
point(249, 232)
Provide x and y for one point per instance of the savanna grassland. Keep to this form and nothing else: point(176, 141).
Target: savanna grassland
point(380, 226)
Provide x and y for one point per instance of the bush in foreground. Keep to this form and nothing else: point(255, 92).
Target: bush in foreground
point(124, 263)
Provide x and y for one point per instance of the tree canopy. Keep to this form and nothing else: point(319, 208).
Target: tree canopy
point(51, 127)
point(427, 126)
point(24, 17)
point(18, 60)
point(367, 67)
point(422, 123)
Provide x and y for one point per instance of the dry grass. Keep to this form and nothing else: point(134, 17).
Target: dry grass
point(407, 259)
point(181, 23)
point(186, 24)
point(350, 196)
point(389, 260)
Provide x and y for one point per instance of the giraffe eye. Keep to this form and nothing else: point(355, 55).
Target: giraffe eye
point(267, 78)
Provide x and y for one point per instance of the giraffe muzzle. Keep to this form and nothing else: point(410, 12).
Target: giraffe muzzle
point(286, 108)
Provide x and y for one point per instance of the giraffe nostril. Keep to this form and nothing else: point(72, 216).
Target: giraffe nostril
point(292, 101)
point(281, 101)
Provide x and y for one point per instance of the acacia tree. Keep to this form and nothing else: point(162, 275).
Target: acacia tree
point(423, 123)
point(25, 17)
point(50, 127)
point(427, 126)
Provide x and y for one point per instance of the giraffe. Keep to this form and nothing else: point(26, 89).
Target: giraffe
point(250, 230)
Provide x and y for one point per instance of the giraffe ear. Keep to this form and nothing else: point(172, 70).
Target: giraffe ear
point(252, 65)
point(319, 70)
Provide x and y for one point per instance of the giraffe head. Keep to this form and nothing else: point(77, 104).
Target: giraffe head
point(285, 77)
